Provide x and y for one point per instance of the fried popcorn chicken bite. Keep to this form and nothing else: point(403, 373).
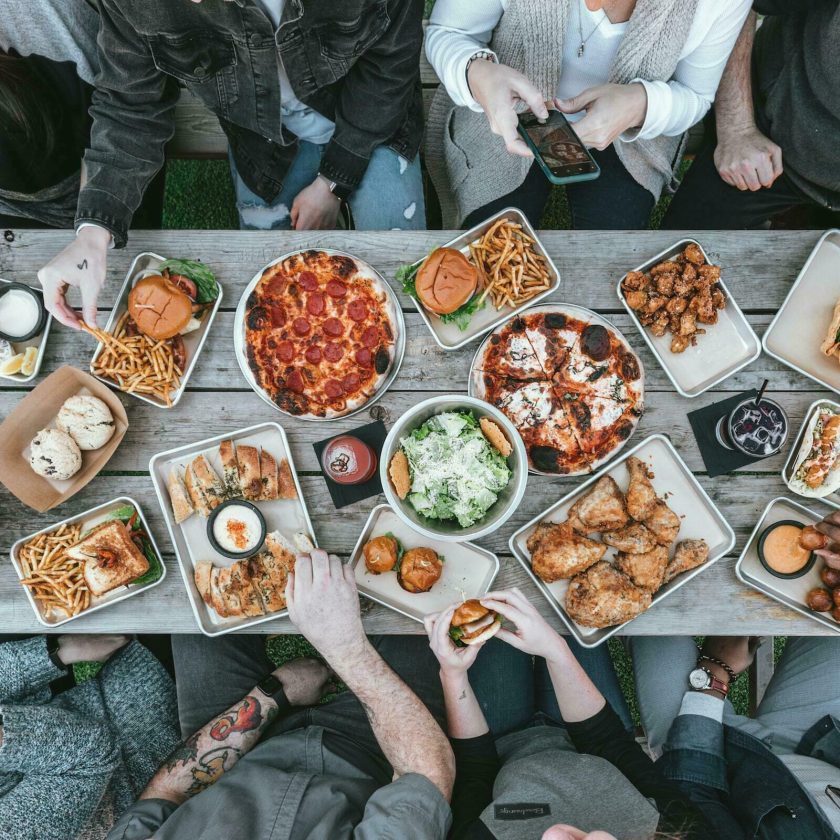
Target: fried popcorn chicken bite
point(641, 497)
point(689, 555)
point(664, 523)
point(646, 570)
point(557, 552)
point(601, 509)
point(602, 596)
point(632, 539)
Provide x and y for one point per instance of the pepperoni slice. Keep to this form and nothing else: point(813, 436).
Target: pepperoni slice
point(370, 337)
point(357, 309)
point(313, 355)
point(308, 281)
point(336, 289)
point(278, 316)
point(315, 304)
point(286, 351)
point(334, 327)
point(333, 388)
point(364, 357)
point(301, 326)
point(351, 382)
point(333, 352)
point(294, 382)
point(276, 286)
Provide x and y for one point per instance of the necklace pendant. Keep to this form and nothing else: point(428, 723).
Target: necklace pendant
point(581, 50)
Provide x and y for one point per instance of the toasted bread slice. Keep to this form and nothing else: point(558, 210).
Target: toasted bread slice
point(210, 483)
point(201, 574)
point(249, 472)
point(240, 579)
point(110, 557)
point(195, 491)
point(230, 469)
point(286, 481)
point(302, 543)
point(217, 599)
point(229, 592)
point(269, 577)
point(268, 476)
point(182, 507)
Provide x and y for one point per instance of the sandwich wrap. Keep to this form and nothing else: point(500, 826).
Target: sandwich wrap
point(818, 457)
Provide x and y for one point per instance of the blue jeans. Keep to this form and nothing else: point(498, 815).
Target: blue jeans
point(390, 196)
point(514, 689)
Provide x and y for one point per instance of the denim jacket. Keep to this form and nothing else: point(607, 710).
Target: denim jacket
point(354, 61)
point(740, 786)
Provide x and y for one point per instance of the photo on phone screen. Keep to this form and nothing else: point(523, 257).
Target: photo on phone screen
point(556, 143)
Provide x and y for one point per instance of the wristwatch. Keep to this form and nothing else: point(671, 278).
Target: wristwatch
point(341, 193)
point(271, 687)
point(702, 679)
point(53, 643)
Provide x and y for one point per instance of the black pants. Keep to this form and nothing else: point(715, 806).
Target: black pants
point(614, 201)
point(705, 201)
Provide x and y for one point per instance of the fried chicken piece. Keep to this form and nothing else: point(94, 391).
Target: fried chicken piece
point(640, 497)
point(709, 273)
point(601, 509)
point(689, 554)
point(664, 523)
point(646, 570)
point(602, 596)
point(655, 302)
point(703, 307)
point(680, 343)
point(666, 267)
point(682, 286)
point(635, 281)
point(676, 306)
point(634, 539)
point(688, 325)
point(660, 326)
point(693, 254)
point(689, 273)
point(718, 297)
point(665, 284)
point(557, 552)
point(636, 299)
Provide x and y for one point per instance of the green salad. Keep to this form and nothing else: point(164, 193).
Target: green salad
point(455, 472)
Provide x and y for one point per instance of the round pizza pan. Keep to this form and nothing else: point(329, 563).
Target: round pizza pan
point(239, 336)
point(571, 310)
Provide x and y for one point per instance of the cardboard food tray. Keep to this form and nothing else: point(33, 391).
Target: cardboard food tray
point(796, 333)
point(90, 518)
point(700, 519)
point(468, 569)
point(37, 411)
point(726, 347)
point(832, 499)
point(39, 341)
point(289, 516)
point(448, 336)
point(241, 350)
point(790, 592)
point(193, 342)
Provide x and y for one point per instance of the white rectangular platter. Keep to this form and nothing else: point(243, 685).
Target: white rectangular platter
point(790, 592)
point(289, 516)
point(832, 499)
point(700, 520)
point(726, 347)
point(90, 519)
point(468, 569)
point(39, 341)
point(796, 333)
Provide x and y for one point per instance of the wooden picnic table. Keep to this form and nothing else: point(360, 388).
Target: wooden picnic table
point(758, 267)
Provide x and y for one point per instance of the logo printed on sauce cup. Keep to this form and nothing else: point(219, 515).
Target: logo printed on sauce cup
point(348, 460)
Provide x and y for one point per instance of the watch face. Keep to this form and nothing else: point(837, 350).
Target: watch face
point(698, 678)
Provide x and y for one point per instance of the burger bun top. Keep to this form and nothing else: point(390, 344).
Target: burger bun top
point(159, 308)
point(445, 281)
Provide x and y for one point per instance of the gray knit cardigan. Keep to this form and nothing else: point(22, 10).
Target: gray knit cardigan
point(71, 764)
point(470, 166)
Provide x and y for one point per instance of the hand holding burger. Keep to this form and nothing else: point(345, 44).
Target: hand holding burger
point(456, 658)
point(533, 634)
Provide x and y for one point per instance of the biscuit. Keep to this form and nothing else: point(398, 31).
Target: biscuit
point(87, 420)
point(496, 436)
point(54, 454)
point(400, 476)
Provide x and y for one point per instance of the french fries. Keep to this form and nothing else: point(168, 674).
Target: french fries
point(136, 363)
point(56, 581)
point(509, 267)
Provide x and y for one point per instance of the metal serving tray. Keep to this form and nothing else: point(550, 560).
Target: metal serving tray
point(468, 569)
point(448, 336)
point(193, 342)
point(700, 519)
point(795, 334)
point(832, 499)
point(790, 592)
point(90, 518)
point(289, 516)
point(39, 341)
point(726, 348)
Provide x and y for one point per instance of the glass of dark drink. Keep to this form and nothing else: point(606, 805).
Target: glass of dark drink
point(757, 428)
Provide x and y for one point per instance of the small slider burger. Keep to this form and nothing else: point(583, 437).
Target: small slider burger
point(445, 281)
point(473, 624)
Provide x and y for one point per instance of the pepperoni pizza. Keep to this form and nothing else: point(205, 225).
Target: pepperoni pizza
point(568, 381)
point(320, 334)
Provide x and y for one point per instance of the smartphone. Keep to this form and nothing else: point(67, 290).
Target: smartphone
point(557, 149)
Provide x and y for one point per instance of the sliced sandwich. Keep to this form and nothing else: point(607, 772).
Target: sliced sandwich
point(473, 623)
point(230, 470)
point(204, 487)
point(250, 476)
point(111, 558)
point(268, 476)
point(182, 506)
point(286, 481)
point(816, 470)
point(831, 343)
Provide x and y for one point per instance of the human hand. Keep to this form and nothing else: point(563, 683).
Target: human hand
point(610, 110)
point(315, 207)
point(533, 633)
point(324, 605)
point(73, 648)
point(81, 264)
point(737, 652)
point(453, 659)
point(746, 159)
point(304, 680)
point(499, 89)
point(830, 526)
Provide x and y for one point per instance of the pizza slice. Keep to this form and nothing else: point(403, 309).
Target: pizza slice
point(553, 335)
point(509, 354)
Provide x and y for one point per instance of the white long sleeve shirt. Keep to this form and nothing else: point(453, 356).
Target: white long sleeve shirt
point(459, 29)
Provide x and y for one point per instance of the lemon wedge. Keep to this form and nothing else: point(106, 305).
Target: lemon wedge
point(30, 356)
point(12, 365)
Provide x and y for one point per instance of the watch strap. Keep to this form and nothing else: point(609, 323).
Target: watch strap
point(271, 687)
point(53, 643)
point(720, 663)
point(341, 193)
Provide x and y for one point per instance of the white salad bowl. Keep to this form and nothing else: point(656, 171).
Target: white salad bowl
point(510, 496)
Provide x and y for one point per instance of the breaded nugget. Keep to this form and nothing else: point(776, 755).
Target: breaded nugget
point(399, 473)
point(601, 509)
point(664, 523)
point(602, 596)
point(557, 552)
point(689, 555)
point(495, 436)
point(641, 497)
point(693, 254)
point(645, 570)
point(633, 539)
